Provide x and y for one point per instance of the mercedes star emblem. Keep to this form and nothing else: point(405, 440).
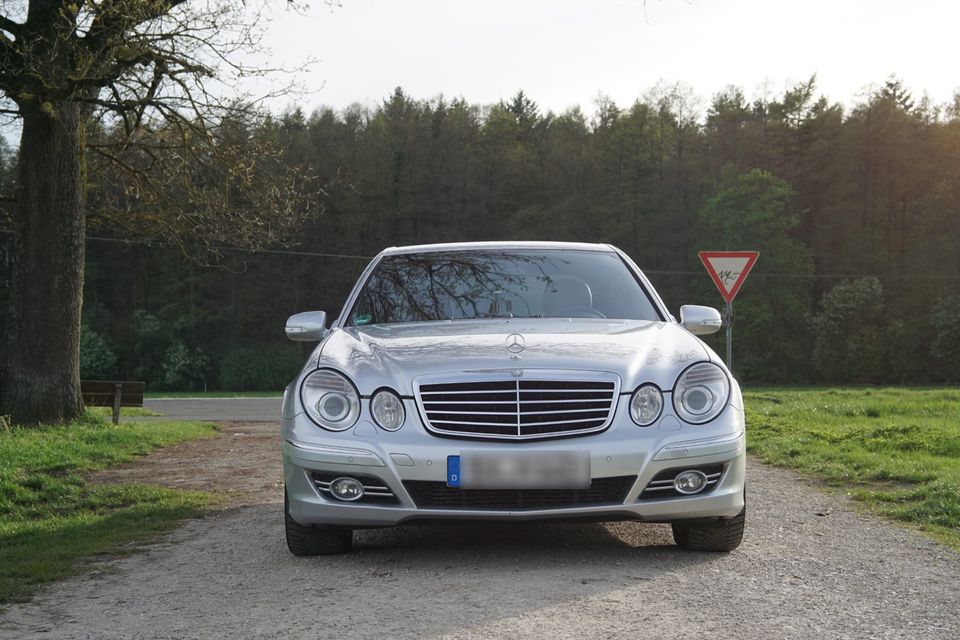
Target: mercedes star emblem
point(516, 343)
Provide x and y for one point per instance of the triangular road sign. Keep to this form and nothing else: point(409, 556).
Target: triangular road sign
point(728, 269)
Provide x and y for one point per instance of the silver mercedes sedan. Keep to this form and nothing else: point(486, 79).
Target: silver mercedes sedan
point(510, 381)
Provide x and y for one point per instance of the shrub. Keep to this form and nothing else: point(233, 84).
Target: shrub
point(149, 347)
point(855, 342)
point(97, 359)
point(259, 368)
point(945, 350)
point(184, 368)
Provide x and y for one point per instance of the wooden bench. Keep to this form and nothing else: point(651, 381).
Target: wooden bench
point(112, 393)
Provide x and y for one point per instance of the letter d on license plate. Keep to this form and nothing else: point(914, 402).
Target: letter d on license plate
point(516, 470)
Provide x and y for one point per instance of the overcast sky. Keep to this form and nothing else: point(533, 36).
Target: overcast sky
point(565, 52)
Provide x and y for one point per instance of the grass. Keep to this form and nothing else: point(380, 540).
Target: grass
point(895, 450)
point(213, 394)
point(52, 517)
point(139, 412)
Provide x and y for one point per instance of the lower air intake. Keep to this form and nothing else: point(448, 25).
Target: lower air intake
point(437, 495)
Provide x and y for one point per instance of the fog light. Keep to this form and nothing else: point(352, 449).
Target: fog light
point(347, 489)
point(689, 482)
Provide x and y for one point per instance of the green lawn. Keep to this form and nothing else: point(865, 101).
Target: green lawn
point(51, 517)
point(896, 450)
point(213, 394)
point(106, 412)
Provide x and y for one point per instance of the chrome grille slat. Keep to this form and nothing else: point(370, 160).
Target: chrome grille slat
point(478, 424)
point(522, 424)
point(475, 413)
point(599, 392)
point(536, 404)
point(545, 413)
point(711, 478)
point(462, 392)
point(547, 423)
point(326, 485)
point(513, 412)
point(509, 402)
point(651, 487)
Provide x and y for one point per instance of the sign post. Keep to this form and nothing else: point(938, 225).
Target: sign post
point(728, 270)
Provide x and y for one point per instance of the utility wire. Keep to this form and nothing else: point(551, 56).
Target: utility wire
point(660, 272)
point(156, 243)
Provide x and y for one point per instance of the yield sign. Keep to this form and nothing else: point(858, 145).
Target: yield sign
point(728, 269)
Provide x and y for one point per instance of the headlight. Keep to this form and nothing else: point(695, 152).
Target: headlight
point(701, 393)
point(645, 405)
point(330, 400)
point(387, 410)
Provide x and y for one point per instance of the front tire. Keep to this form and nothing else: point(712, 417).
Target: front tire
point(723, 536)
point(317, 540)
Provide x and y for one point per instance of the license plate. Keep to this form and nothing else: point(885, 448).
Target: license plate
point(515, 470)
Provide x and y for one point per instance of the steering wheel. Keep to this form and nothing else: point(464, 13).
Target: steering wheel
point(579, 312)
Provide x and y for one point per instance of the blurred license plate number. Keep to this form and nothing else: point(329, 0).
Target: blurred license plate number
point(540, 470)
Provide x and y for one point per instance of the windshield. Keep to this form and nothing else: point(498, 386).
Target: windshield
point(468, 285)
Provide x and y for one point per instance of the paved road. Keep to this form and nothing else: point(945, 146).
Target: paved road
point(810, 567)
point(215, 409)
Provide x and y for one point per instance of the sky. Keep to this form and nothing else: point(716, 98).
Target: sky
point(564, 53)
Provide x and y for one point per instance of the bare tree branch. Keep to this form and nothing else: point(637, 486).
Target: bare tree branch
point(10, 26)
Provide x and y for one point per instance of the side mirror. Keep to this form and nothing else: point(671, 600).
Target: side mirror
point(700, 321)
point(310, 326)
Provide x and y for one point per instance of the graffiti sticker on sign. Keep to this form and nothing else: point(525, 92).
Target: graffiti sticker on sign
point(728, 269)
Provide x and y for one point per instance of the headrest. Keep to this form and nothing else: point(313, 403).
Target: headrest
point(566, 292)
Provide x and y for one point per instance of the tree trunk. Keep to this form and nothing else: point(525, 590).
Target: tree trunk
point(40, 369)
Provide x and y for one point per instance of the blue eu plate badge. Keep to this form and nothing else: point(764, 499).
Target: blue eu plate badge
point(453, 471)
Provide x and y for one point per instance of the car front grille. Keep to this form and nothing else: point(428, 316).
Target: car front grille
point(522, 408)
point(437, 495)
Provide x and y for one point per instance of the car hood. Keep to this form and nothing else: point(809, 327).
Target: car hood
point(393, 355)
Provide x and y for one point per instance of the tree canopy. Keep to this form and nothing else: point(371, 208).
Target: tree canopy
point(146, 87)
point(828, 194)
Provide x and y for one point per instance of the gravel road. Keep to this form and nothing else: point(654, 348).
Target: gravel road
point(810, 567)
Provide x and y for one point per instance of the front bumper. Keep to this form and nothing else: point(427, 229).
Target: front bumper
point(413, 454)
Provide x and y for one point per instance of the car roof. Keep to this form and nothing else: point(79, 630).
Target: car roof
point(479, 246)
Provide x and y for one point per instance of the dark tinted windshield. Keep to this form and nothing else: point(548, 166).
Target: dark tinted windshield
point(470, 285)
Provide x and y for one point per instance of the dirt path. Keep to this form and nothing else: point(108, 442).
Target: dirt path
point(797, 575)
point(242, 463)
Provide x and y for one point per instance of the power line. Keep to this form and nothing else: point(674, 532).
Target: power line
point(284, 252)
point(156, 243)
point(828, 276)
point(659, 272)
